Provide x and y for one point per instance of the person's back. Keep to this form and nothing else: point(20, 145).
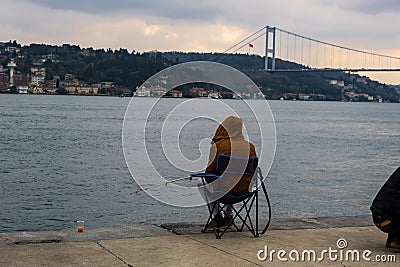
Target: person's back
point(229, 140)
point(388, 198)
point(386, 209)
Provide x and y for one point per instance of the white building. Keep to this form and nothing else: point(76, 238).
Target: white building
point(69, 76)
point(12, 49)
point(23, 89)
point(37, 79)
point(142, 92)
point(157, 91)
point(38, 75)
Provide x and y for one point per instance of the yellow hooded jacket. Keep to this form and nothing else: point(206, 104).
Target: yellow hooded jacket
point(229, 140)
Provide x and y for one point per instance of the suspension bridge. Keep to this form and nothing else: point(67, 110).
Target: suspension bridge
point(313, 55)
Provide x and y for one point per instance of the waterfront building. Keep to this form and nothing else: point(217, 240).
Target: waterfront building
point(81, 89)
point(153, 91)
point(22, 89)
point(36, 90)
point(50, 90)
point(157, 91)
point(198, 92)
point(176, 93)
point(142, 92)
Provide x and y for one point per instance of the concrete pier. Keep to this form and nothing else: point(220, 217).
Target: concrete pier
point(340, 241)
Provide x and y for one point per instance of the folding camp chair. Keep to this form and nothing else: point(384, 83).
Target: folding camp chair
point(239, 166)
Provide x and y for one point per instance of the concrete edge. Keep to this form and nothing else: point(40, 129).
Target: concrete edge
point(106, 233)
point(282, 224)
point(137, 231)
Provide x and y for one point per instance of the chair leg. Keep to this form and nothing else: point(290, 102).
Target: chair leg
point(269, 208)
point(248, 215)
point(215, 222)
point(256, 233)
point(248, 225)
point(216, 229)
point(210, 216)
point(245, 213)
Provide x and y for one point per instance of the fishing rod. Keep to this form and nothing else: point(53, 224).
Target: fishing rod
point(166, 183)
point(170, 182)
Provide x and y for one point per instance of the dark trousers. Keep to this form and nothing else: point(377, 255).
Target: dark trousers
point(386, 223)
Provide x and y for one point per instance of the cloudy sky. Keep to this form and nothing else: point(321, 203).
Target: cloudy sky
point(202, 25)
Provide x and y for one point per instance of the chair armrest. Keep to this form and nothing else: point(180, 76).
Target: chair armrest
point(209, 177)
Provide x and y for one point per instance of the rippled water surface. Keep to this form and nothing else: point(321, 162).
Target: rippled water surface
point(61, 160)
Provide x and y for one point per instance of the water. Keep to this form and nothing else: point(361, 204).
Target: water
point(61, 160)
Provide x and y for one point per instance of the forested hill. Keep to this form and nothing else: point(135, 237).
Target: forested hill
point(123, 68)
point(276, 84)
point(129, 69)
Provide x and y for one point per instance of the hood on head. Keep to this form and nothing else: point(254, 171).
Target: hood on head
point(230, 128)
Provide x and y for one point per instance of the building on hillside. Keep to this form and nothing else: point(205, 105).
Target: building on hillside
point(107, 85)
point(142, 92)
point(153, 91)
point(214, 95)
point(38, 75)
point(51, 57)
point(81, 89)
point(318, 97)
point(107, 88)
point(70, 80)
point(69, 77)
point(158, 91)
point(55, 82)
point(22, 89)
point(125, 92)
point(36, 90)
point(50, 90)
point(12, 49)
point(353, 96)
point(37, 79)
point(174, 94)
point(337, 83)
point(230, 95)
point(363, 80)
point(289, 96)
point(198, 92)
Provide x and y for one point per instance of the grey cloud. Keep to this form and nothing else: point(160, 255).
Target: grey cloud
point(377, 6)
point(363, 6)
point(342, 22)
point(171, 9)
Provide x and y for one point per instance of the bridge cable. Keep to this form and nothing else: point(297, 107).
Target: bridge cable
point(224, 54)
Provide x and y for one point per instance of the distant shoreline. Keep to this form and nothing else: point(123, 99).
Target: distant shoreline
point(142, 97)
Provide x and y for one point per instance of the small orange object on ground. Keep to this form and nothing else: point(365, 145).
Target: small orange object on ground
point(80, 226)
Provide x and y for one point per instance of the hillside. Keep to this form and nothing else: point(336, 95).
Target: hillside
point(127, 70)
point(274, 85)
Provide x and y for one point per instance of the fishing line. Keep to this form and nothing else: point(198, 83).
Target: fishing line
point(166, 183)
point(171, 182)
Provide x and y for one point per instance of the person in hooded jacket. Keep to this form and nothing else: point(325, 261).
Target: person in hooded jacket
point(386, 210)
point(229, 140)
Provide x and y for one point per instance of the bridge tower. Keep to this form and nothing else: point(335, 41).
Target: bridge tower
point(270, 47)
